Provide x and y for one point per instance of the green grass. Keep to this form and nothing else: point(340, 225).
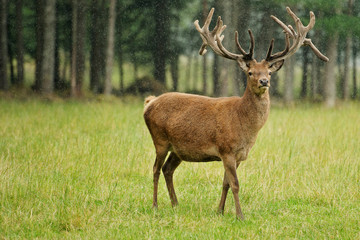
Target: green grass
point(84, 170)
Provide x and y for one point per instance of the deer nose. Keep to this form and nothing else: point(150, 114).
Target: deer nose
point(264, 82)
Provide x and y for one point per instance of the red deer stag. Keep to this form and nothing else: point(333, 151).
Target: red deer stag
point(201, 129)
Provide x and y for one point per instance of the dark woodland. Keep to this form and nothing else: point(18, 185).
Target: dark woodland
point(81, 47)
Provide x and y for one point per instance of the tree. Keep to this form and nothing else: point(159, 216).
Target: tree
point(289, 67)
point(330, 80)
point(161, 38)
point(205, 11)
point(346, 76)
point(48, 50)
point(97, 46)
point(110, 48)
point(4, 81)
point(304, 81)
point(241, 12)
point(225, 12)
point(39, 42)
point(354, 75)
point(119, 47)
point(19, 43)
point(78, 47)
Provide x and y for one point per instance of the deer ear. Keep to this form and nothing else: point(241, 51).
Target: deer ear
point(276, 66)
point(244, 65)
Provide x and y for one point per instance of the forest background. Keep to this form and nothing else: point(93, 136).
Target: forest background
point(76, 48)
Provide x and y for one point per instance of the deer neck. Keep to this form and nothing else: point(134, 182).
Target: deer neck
point(256, 106)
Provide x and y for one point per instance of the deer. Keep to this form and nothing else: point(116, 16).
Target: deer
point(196, 128)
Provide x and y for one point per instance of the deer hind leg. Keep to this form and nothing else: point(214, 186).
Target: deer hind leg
point(168, 169)
point(225, 190)
point(230, 166)
point(161, 153)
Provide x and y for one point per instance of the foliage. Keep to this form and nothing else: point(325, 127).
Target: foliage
point(136, 33)
point(84, 170)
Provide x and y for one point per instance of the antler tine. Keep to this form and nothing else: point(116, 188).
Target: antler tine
point(298, 36)
point(238, 44)
point(214, 38)
point(270, 57)
point(286, 29)
point(208, 19)
point(312, 21)
point(309, 43)
point(247, 56)
point(252, 44)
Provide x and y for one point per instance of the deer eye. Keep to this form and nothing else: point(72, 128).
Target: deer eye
point(250, 73)
point(269, 73)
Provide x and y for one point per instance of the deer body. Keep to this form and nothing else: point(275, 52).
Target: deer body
point(195, 128)
point(201, 129)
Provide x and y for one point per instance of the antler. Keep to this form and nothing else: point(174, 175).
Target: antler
point(298, 38)
point(214, 40)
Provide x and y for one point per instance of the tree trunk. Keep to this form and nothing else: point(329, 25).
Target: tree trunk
point(330, 79)
point(78, 46)
point(48, 55)
point(58, 81)
point(216, 76)
point(238, 8)
point(4, 81)
point(11, 62)
point(244, 10)
point(94, 47)
point(19, 44)
point(354, 74)
point(110, 48)
point(314, 77)
point(195, 73)
point(304, 81)
point(121, 69)
point(97, 46)
point(204, 75)
point(39, 43)
point(188, 73)
point(120, 51)
point(204, 66)
point(161, 39)
point(345, 83)
point(225, 11)
point(289, 80)
point(174, 69)
point(345, 80)
point(74, 47)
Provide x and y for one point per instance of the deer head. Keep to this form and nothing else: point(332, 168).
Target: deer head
point(258, 73)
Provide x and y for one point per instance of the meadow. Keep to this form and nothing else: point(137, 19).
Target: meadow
point(83, 169)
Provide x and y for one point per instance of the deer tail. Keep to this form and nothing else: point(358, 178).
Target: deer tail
point(149, 99)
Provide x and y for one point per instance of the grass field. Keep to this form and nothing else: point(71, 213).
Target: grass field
point(84, 170)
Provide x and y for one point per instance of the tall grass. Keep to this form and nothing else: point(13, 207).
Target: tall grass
point(84, 170)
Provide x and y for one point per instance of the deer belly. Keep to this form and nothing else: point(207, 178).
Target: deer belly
point(195, 155)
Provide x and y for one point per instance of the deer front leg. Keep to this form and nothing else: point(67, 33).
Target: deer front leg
point(230, 166)
point(224, 193)
point(168, 169)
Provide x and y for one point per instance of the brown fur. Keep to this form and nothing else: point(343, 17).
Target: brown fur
point(199, 129)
